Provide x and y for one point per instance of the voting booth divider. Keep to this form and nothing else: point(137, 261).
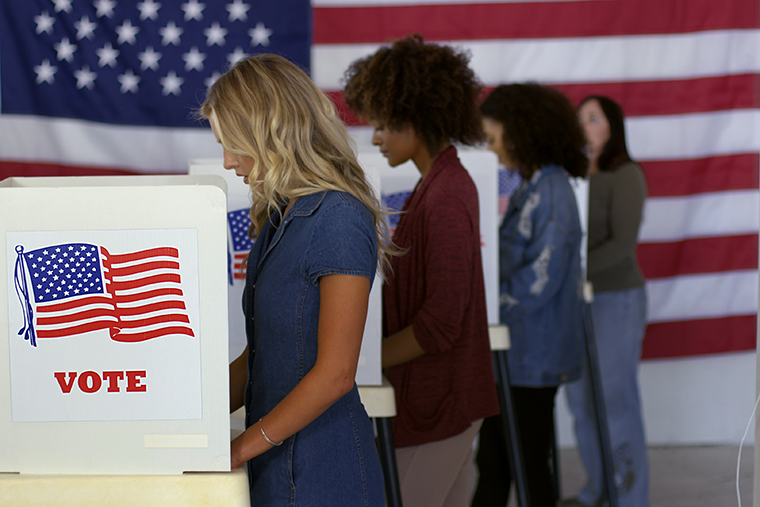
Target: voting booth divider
point(397, 183)
point(113, 326)
point(238, 243)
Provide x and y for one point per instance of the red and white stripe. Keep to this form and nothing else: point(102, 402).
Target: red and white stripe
point(687, 74)
point(147, 291)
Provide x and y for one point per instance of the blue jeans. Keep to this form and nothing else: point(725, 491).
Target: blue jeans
point(619, 319)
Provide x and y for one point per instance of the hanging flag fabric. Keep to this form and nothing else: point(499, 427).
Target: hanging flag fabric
point(685, 71)
point(75, 288)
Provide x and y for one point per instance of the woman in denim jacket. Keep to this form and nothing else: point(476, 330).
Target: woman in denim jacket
point(533, 129)
point(319, 237)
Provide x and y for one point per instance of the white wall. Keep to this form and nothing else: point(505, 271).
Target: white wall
point(692, 401)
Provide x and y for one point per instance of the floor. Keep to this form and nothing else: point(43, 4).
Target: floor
point(681, 476)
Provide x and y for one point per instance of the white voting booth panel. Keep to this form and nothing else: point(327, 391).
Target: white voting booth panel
point(397, 182)
point(113, 325)
point(238, 205)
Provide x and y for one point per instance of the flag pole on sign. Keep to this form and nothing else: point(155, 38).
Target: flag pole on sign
point(22, 291)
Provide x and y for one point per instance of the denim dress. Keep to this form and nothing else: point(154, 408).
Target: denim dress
point(333, 461)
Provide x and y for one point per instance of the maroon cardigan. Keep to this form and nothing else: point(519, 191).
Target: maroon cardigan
point(437, 287)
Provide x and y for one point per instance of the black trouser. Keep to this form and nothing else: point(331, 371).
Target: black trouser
point(534, 411)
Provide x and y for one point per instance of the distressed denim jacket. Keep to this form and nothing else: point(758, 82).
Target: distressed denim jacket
point(540, 281)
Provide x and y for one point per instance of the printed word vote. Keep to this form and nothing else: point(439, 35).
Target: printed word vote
point(91, 382)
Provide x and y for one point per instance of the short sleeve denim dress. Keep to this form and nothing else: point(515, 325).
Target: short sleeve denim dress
point(333, 461)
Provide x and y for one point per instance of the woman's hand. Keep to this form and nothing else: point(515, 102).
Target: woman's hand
point(248, 445)
point(236, 453)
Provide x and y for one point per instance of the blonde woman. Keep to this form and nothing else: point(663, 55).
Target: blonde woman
point(319, 238)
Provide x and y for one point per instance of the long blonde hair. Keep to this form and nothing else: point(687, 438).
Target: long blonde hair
point(268, 109)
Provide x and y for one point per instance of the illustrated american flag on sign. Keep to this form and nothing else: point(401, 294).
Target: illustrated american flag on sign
point(685, 71)
point(77, 288)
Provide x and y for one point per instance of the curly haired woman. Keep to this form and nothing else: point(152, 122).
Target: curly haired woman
point(420, 98)
point(534, 130)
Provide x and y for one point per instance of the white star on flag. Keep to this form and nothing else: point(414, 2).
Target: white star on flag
point(171, 83)
point(65, 50)
point(129, 81)
point(238, 10)
point(193, 59)
point(107, 55)
point(44, 23)
point(104, 8)
point(85, 78)
point(215, 34)
point(148, 10)
point(236, 56)
point(62, 5)
point(259, 35)
point(193, 10)
point(45, 72)
point(85, 28)
point(212, 79)
point(170, 34)
point(127, 32)
point(149, 59)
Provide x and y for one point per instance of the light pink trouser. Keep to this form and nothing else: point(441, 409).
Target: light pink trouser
point(437, 474)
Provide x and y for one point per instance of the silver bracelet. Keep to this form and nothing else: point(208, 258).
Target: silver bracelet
point(261, 429)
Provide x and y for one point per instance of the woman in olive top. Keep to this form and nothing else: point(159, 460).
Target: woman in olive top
point(616, 202)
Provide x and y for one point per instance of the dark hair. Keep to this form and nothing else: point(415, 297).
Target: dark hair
point(615, 151)
point(427, 86)
point(540, 127)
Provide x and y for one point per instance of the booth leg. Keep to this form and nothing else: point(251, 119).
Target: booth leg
point(597, 398)
point(555, 466)
point(388, 461)
point(511, 432)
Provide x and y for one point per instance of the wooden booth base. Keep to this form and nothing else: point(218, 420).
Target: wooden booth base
point(228, 489)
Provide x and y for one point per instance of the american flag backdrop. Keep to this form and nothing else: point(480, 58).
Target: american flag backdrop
point(75, 288)
point(685, 71)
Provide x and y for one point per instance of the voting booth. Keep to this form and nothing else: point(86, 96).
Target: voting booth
point(238, 244)
point(397, 183)
point(113, 326)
